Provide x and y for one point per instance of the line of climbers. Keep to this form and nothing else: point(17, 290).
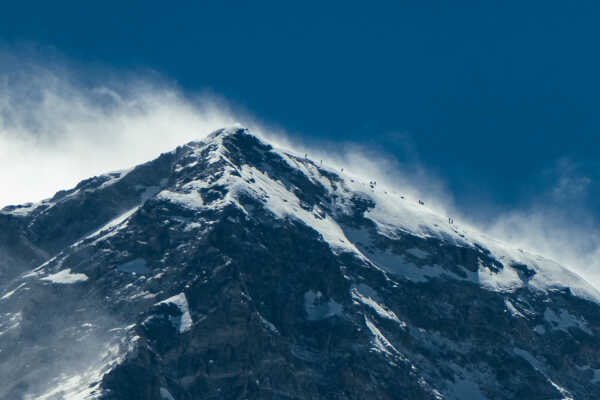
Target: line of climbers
point(374, 183)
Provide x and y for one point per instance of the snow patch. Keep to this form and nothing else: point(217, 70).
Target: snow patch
point(182, 323)
point(65, 277)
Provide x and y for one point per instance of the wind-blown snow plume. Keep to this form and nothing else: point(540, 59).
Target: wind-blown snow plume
point(57, 129)
point(558, 222)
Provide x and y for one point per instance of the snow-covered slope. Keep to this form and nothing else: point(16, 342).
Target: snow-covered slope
point(392, 213)
point(231, 269)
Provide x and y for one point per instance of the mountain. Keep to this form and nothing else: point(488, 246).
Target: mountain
point(229, 269)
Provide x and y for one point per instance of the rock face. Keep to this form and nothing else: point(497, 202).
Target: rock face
point(228, 269)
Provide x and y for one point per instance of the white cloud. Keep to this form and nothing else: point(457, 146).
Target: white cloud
point(54, 132)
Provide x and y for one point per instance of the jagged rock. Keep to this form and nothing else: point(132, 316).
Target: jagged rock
point(229, 269)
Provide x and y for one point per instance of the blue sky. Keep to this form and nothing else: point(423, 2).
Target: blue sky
point(497, 100)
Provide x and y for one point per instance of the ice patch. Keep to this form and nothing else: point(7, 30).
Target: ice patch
point(65, 277)
point(137, 266)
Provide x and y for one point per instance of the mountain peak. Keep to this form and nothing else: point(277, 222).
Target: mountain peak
point(231, 269)
point(232, 130)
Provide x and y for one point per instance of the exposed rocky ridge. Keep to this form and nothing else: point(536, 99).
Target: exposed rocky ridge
point(229, 269)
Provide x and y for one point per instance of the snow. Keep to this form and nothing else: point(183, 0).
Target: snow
point(277, 198)
point(38, 270)
point(393, 214)
point(83, 385)
point(191, 199)
point(115, 177)
point(512, 309)
point(110, 229)
point(564, 392)
point(317, 309)
point(24, 210)
point(505, 280)
point(9, 294)
point(367, 300)
point(381, 343)
point(182, 323)
point(65, 277)
point(283, 203)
